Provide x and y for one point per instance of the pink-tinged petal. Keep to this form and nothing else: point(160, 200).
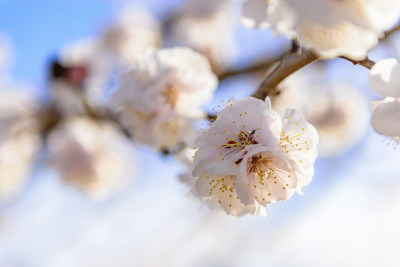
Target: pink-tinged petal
point(261, 193)
point(278, 191)
point(304, 178)
point(280, 176)
point(386, 118)
point(299, 138)
point(243, 166)
point(207, 185)
point(214, 167)
point(254, 13)
point(244, 192)
point(229, 200)
point(385, 77)
point(266, 177)
point(248, 114)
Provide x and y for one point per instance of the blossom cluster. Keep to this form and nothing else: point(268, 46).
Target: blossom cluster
point(251, 157)
point(92, 155)
point(162, 93)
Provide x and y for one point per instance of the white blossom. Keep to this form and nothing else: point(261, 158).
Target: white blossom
point(86, 68)
point(19, 140)
point(250, 157)
point(207, 27)
point(91, 155)
point(161, 94)
point(132, 33)
point(332, 28)
point(385, 80)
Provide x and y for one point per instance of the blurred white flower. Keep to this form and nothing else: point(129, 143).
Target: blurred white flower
point(91, 155)
point(385, 80)
point(251, 157)
point(161, 94)
point(84, 67)
point(332, 28)
point(132, 33)
point(19, 140)
point(207, 27)
point(338, 111)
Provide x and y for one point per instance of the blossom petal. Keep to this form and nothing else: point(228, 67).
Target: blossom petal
point(385, 77)
point(230, 201)
point(344, 39)
point(299, 138)
point(386, 117)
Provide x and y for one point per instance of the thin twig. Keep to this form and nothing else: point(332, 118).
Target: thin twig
point(390, 32)
point(366, 63)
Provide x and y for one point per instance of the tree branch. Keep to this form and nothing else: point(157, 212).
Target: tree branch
point(258, 67)
point(289, 64)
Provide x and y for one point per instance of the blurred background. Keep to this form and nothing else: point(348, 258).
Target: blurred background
point(130, 208)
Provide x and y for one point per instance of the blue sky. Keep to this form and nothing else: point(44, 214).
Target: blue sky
point(38, 29)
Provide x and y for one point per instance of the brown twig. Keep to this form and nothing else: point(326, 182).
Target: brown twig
point(289, 64)
point(258, 67)
point(390, 32)
point(366, 63)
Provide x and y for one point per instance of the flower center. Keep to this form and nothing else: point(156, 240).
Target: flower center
point(171, 95)
point(266, 169)
point(244, 139)
point(262, 167)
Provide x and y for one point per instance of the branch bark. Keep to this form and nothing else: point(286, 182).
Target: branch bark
point(366, 63)
point(259, 67)
point(289, 64)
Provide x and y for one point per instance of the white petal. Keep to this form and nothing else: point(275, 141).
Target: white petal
point(244, 192)
point(207, 185)
point(299, 138)
point(304, 178)
point(231, 203)
point(385, 77)
point(384, 14)
point(386, 117)
point(343, 39)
